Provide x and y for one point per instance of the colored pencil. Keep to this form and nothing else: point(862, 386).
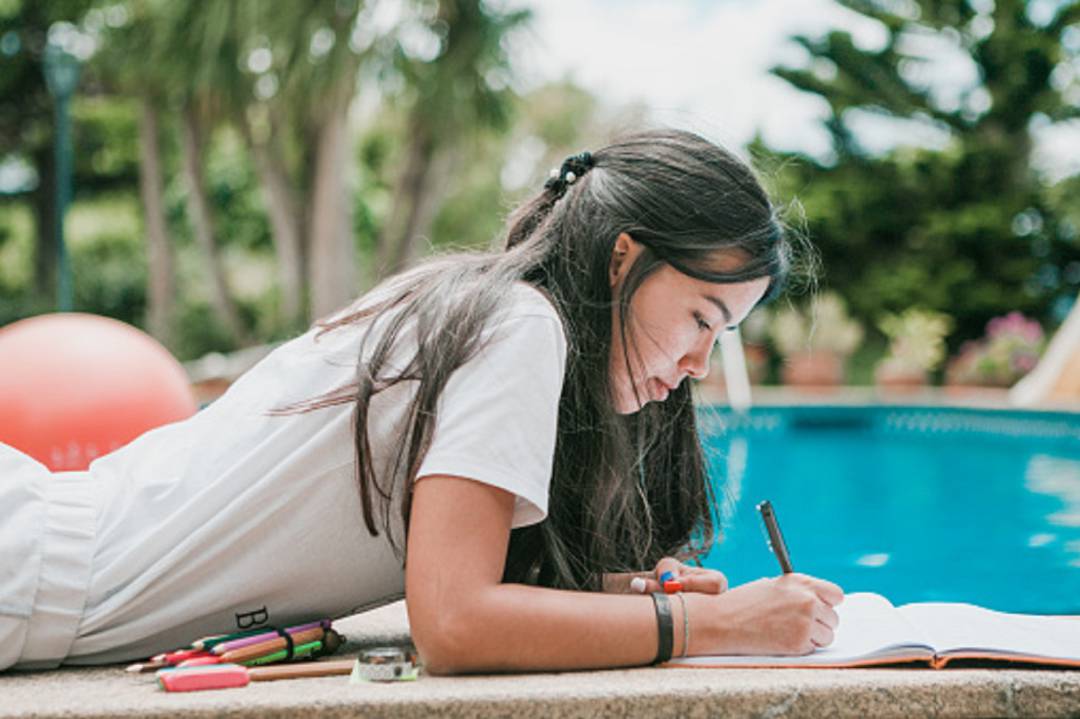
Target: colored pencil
point(266, 636)
point(299, 637)
point(200, 661)
point(211, 650)
point(212, 641)
point(304, 669)
point(147, 666)
point(269, 647)
point(184, 654)
point(299, 652)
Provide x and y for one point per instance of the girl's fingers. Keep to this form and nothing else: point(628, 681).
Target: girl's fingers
point(666, 565)
point(827, 616)
point(825, 590)
point(828, 592)
point(705, 581)
point(700, 579)
point(686, 578)
point(821, 635)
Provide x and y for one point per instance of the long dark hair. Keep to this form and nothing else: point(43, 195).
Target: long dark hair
point(625, 489)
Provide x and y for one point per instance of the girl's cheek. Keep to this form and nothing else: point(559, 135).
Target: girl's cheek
point(680, 345)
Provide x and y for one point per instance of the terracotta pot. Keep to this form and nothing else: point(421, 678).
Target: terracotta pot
point(757, 363)
point(757, 366)
point(974, 392)
point(900, 381)
point(813, 369)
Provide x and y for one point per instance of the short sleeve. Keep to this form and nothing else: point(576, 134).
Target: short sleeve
point(498, 414)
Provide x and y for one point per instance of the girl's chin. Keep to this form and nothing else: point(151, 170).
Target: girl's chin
point(627, 404)
point(650, 391)
point(660, 389)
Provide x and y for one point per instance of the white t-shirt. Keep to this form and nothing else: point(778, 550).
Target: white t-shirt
point(235, 517)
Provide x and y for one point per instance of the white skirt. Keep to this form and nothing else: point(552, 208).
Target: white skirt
point(47, 533)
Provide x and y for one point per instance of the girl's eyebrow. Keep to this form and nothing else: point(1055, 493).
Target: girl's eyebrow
point(723, 307)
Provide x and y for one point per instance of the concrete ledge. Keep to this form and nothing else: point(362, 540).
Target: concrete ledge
point(111, 692)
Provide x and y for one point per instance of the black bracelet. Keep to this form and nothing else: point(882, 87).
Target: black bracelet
point(665, 628)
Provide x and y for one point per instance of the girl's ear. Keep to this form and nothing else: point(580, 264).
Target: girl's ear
point(622, 257)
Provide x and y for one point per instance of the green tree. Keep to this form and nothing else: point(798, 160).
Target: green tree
point(139, 37)
point(453, 98)
point(967, 230)
point(285, 76)
point(26, 117)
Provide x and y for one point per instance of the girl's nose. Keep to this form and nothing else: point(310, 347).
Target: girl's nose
point(695, 363)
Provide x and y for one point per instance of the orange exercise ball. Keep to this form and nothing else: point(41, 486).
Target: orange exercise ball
point(74, 387)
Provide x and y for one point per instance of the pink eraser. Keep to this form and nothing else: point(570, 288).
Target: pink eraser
point(213, 676)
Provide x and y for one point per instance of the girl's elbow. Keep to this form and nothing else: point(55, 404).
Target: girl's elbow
point(439, 664)
point(444, 646)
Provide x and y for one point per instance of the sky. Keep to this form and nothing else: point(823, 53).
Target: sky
point(703, 65)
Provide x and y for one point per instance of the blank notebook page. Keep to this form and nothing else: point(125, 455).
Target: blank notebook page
point(959, 627)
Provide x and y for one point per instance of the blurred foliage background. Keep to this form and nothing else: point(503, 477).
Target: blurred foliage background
point(242, 167)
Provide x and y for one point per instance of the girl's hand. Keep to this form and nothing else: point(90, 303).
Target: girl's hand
point(693, 579)
point(787, 615)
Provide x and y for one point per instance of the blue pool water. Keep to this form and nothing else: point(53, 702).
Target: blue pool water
point(917, 504)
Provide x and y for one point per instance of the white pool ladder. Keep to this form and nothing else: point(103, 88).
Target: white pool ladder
point(736, 377)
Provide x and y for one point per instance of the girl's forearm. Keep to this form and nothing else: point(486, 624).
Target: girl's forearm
point(510, 627)
point(619, 583)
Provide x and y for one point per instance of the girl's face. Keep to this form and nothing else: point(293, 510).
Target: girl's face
point(674, 322)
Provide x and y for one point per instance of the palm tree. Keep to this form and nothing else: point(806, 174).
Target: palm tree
point(320, 74)
point(457, 95)
point(285, 76)
point(139, 38)
point(196, 47)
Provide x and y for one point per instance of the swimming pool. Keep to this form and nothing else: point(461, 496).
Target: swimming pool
point(915, 503)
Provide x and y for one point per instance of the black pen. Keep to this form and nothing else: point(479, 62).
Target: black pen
point(776, 539)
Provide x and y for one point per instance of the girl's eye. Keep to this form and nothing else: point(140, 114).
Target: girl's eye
point(701, 323)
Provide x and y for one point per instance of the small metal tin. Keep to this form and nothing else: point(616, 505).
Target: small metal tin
point(383, 655)
point(384, 664)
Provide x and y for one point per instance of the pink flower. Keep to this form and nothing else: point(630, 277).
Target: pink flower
point(1014, 323)
point(1025, 362)
point(1009, 350)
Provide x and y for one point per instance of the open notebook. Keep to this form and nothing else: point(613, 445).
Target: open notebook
point(873, 631)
